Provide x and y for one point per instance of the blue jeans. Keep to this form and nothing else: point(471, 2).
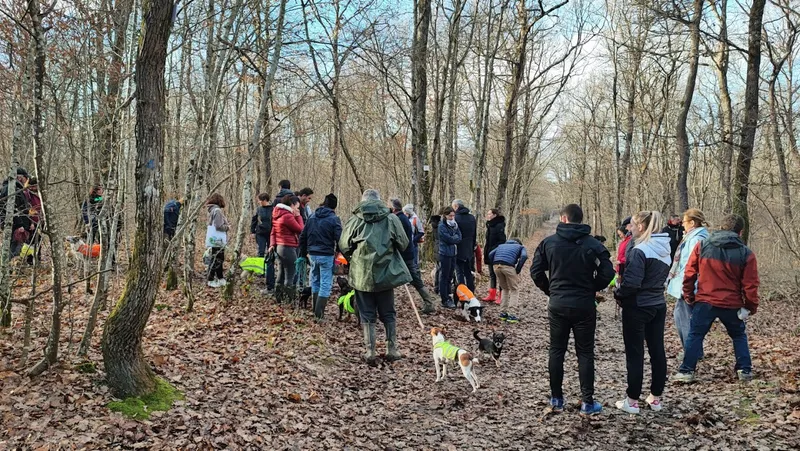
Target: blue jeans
point(703, 316)
point(321, 274)
point(683, 317)
point(416, 253)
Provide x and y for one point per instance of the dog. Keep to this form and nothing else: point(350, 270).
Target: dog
point(444, 351)
point(347, 301)
point(305, 295)
point(77, 249)
point(470, 305)
point(492, 347)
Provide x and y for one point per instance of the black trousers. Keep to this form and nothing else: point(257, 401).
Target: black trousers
point(582, 323)
point(464, 273)
point(218, 258)
point(447, 265)
point(374, 305)
point(492, 277)
point(642, 325)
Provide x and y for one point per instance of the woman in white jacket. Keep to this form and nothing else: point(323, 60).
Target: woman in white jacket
point(694, 222)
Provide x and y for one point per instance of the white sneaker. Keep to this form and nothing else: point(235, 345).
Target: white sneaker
point(213, 283)
point(626, 406)
point(222, 282)
point(654, 403)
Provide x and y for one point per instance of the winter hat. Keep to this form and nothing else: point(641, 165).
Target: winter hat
point(626, 221)
point(22, 172)
point(330, 201)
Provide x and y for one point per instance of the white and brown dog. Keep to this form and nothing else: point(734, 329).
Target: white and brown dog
point(444, 351)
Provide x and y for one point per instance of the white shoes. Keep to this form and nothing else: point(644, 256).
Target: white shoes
point(217, 283)
point(654, 402)
point(627, 406)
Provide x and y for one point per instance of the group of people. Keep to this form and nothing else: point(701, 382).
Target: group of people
point(710, 275)
point(25, 223)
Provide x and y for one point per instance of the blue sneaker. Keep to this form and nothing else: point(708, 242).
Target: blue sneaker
point(591, 409)
point(557, 404)
point(511, 319)
point(504, 316)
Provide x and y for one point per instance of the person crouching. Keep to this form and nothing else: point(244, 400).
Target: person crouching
point(508, 260)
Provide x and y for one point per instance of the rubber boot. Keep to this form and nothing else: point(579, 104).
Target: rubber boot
point(369, 343)
point(280, 293)
point(427, 302)
point(314, 297)
point(499, 300)
point(319, 307)
point(492, 296)
point(291, 295)
point(392, 354)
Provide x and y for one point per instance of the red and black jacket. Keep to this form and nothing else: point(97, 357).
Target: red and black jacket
point(724, 271)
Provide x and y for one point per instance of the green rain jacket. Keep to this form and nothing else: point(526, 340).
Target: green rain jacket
point(372, 241)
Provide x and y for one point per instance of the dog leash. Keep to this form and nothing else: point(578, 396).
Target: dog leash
point(413, 306)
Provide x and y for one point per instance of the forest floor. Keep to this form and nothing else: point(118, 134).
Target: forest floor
point(256, 376)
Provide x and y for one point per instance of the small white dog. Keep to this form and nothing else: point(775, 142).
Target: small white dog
point(444, 351)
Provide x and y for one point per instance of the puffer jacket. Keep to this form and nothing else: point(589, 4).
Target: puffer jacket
point(372, 241)
point(321, 234)
point(449, 237)
point(495, 236)
point(468, 226)
point(724, 272)
point(646, 269)
point(510, 253)
point(286, 227)
point(690, 240)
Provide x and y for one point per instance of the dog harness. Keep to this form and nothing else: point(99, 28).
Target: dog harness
point(449, 351)
point(347, 301)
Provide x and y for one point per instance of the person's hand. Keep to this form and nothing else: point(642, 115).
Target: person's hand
point(296, 209)
point(271, 248)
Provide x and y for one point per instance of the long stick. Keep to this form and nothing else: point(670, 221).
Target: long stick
point(410, 298)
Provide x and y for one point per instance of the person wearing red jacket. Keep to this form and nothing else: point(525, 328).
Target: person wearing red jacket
point(284, 239)
point(623, 247)
point(725, 272)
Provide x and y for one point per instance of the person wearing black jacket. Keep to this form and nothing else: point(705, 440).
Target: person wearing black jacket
point(318, 241)
point(434, 221)
point(408, 257)
point(172, 212)
point(675, 231)
point(465, 257)
point(640, 293)
point(21, 224)
point(261, 225)
point(571, 267)
point(495, 236)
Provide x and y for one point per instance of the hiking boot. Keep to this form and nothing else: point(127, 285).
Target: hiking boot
point(744, 375)
point(683, 378)
point(654, 402)
point(591, 409)
point(319, 307)
point(449, 304)
point(492, 296)
point(427, 302)
point(392, 353)
point(290, 295)
point(557, 404)
point(369, 343)
point(627, 406)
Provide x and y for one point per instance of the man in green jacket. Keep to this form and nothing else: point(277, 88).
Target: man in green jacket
point(372, 241)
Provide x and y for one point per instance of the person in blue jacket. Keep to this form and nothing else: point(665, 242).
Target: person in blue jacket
point(172, 211)
point(449, 239)
point(318, 241)
point(508, 259)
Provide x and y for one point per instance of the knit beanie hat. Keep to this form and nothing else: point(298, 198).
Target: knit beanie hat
point(330, 201)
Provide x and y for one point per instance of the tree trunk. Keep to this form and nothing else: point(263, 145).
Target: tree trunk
point(127, 371)
point(517, 68)
point(52, 227)
point(682, 139)
point(419, 80)
point(721, 58)
point(750, 121)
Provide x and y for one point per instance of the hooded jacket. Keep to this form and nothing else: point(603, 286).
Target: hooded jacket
point(216, 217)
point(408, 252)
point(372, 241)
point(321, 233)
point(690, 241)
point(283, 192)
point(571, 266)
point(495, 236)
point(646, 269)
point(286, 227)
point(449, 237)
point(468, 226)
point(724, 271)
point(21, 207)
point(510, 253)
point(172, 211)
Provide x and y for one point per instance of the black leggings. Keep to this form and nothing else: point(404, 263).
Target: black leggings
point(492, 277)
point(217, 260)
point(640, 325)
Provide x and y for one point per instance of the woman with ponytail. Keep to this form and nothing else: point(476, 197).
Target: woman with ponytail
point(644, 309)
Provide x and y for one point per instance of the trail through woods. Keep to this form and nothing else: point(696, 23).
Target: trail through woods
point(257, 376)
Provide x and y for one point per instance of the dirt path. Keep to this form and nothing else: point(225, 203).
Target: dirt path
point(260, 378)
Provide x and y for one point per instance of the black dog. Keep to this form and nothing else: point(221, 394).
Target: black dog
point(344, 289)
point(305, 295)
point(493, 347)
